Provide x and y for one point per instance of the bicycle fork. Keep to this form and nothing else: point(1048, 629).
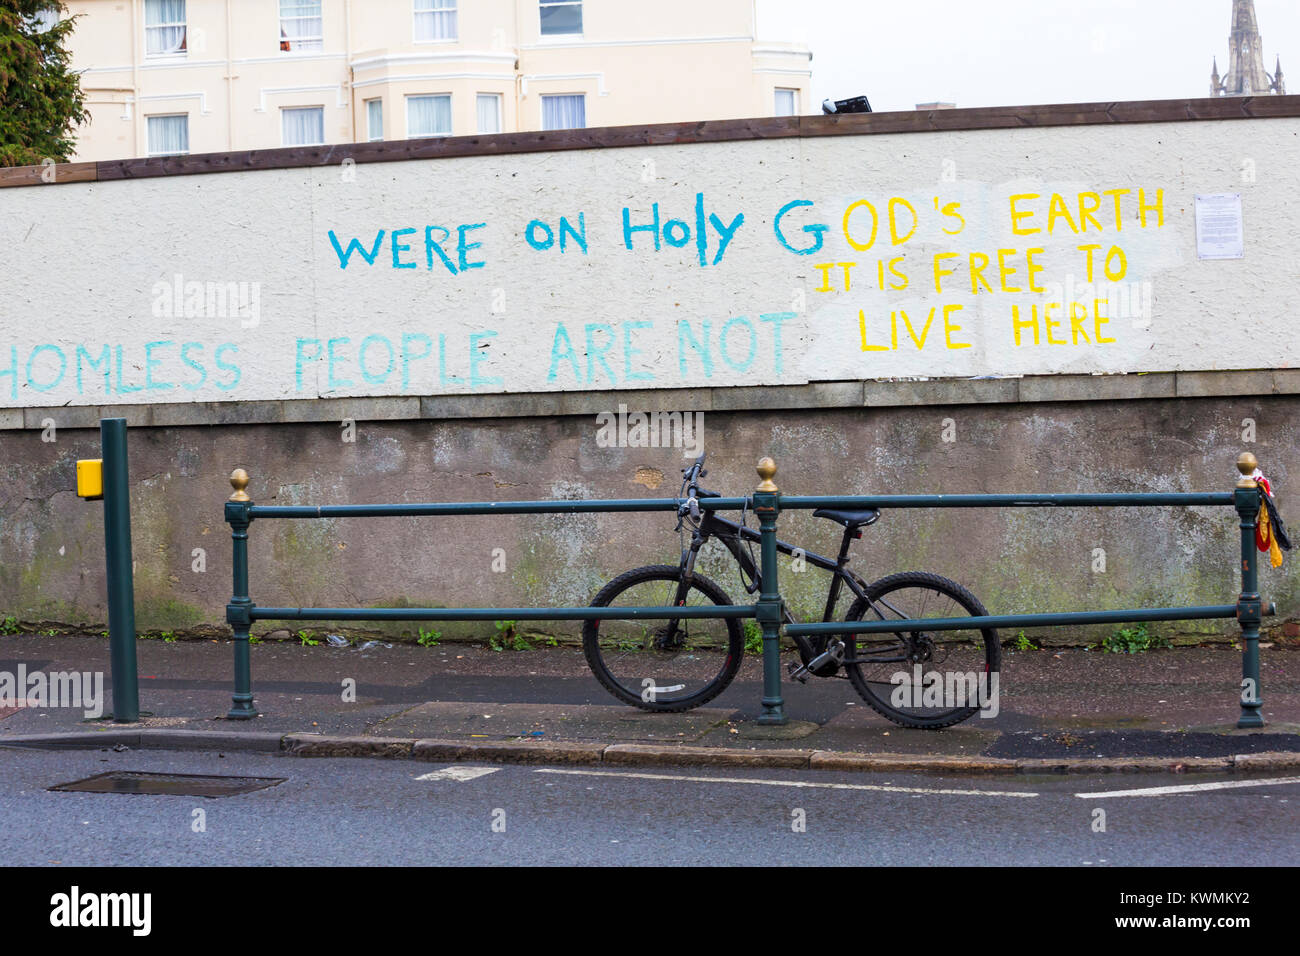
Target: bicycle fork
point(668, 636)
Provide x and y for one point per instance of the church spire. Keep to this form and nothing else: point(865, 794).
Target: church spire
point(1246, 74)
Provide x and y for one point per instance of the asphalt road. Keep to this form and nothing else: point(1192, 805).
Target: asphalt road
point(376, 812)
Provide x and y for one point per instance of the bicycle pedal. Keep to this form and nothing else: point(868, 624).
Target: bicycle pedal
point(797, 672)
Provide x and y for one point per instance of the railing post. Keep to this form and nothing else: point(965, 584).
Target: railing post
point(121, 583)
point(767, 505)
point(239, 517)
point(1249, 606)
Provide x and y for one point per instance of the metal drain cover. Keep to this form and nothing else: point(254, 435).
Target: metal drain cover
point(169, 784)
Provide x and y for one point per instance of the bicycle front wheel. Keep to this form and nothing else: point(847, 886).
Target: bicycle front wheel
point(922, 678)
point(658, 665)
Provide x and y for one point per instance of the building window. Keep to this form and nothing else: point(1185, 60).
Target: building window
point(489, 112)
point(169, 135)
point(561, 17)
point(44, 20)
point(787, 102)
point(428, 116)
point(302, 126)
point(164, 27)
point(374, 120)
point(564, 112)
point(435, 20)
point(301, 27)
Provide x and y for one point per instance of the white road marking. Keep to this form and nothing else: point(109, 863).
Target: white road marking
point(1189, 788)
point(810, 784)
point(459, 774)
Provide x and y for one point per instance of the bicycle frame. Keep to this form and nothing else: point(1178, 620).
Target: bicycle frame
point(730, 533)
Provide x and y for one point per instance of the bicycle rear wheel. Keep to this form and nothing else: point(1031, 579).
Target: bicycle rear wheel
point(946, 676)
point(665, 666)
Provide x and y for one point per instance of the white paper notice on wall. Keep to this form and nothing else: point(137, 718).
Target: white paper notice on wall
point(1219, 230)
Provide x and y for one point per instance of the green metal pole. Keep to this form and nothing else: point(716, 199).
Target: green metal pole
point(238, 611)
point(767, 505)
point(121, 584)
point(1249, 605)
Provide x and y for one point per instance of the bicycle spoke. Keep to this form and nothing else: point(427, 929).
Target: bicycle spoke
point(945, 676)
point(661, 663)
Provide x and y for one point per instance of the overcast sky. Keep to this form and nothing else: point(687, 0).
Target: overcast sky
point(1005, 52)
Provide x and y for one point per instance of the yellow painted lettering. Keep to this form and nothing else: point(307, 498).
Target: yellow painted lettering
point(940, 271)
point(1099, 320)
point(1117, 195)
point(977, 273)
point(925, 330)
point(949, 328)
point(893, 221)
point(862, 324)
point(1034, 269)
point(1017, 324)
point(1089, 203)
point(1158, 207)
point(1089, 250)
point(1058, 210)
point(1078, 315)
point(875, 225)
point(1017, 214)
point(1120, 270)
point(1049, 324)
point(893, 268)
point(826, 277)
point(1004, 272)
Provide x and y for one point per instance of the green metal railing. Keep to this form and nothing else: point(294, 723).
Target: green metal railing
point(767, 504)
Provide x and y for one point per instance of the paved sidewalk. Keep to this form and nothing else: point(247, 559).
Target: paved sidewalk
point(1059, 709)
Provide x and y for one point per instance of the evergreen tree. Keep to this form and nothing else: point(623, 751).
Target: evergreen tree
point(41, 102)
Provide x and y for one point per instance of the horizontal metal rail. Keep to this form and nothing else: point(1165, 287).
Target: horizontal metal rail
point(834, 502)
point(489, 508)
point(976, 622)
point(1137, 499)
point(499, 613)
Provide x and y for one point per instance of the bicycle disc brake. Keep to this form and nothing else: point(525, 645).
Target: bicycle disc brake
point(669, 639)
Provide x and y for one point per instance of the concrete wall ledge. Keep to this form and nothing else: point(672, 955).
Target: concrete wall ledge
point(870, 394)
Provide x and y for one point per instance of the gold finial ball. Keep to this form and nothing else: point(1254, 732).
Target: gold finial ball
point(1246, 463)
point(239, 481)
point(766, 471)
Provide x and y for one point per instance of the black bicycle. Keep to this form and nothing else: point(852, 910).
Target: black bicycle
point(917, 678)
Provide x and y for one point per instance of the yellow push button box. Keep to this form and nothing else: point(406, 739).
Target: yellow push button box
point(90, 478)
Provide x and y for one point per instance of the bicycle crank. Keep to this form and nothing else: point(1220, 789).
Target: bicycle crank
point(824, 664)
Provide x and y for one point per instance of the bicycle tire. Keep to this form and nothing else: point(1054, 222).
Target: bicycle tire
point(872, 692)
point(604, 663)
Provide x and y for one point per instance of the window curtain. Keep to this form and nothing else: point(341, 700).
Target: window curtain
point(435, 19)
point(168, 134)
point(428, 116)
point(300, 25)
point(564, 112)
point(489, 113)
point(303, 126)
point(375, 119)
point(164, 22)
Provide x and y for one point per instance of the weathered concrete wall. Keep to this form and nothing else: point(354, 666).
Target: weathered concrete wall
point(51, 545)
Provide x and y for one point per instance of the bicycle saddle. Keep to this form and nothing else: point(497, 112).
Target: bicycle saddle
point(850, 519)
